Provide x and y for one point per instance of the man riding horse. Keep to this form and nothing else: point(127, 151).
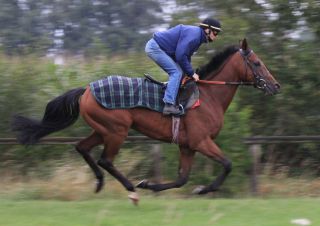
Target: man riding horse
point(172, 51)
point(111, 108)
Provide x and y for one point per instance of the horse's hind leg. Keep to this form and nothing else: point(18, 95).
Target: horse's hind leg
point(112, 146)
point(186, 160)
point(84, 147)
point(211, 150)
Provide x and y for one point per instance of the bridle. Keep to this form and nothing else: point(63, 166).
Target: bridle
point(258, 82)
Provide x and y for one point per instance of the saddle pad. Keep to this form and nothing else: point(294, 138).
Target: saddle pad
point(119, 92)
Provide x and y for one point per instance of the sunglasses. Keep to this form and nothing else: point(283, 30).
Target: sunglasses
point(215, 33)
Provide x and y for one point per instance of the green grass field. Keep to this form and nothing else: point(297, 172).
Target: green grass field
point(157, 211)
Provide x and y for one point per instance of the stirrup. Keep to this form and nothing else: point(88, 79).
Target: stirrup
point(182, 110)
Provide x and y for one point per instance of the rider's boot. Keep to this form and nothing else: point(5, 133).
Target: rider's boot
point(171, 109)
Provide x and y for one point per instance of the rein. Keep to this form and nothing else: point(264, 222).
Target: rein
point(258, 83)
point(241, 83)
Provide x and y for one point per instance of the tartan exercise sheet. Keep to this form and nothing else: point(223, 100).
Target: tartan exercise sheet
point(120, 92)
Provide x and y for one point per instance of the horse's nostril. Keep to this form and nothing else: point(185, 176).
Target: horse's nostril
point(277, 86)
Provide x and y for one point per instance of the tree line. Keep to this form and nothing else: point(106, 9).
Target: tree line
point(78, 26)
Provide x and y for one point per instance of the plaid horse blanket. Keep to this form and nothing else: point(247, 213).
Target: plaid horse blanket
point(119, 92)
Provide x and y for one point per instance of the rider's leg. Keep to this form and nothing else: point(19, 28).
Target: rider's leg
point(173, 86)
point(154, 51)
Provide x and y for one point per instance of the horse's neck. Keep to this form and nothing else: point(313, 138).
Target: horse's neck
point(224, 94)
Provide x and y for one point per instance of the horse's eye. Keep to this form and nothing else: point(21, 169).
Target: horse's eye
point(257, 63)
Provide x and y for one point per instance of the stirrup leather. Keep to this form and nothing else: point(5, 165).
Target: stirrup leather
point(152, 79)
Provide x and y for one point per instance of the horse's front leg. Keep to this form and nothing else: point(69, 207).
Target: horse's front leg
point(211, 150)
point(186, 160)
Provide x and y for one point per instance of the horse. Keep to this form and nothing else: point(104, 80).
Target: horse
point(233, 66)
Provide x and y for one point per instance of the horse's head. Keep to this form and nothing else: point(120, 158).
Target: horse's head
point(257, 72)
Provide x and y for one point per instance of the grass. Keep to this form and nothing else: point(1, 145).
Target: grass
point(66, 199)
point(159, 211)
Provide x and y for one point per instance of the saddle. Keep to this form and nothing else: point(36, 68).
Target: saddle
point(188, 94)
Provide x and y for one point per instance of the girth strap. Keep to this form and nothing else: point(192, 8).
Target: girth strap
point(175, 129)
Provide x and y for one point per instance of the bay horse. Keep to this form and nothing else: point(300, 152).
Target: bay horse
point(198, 129)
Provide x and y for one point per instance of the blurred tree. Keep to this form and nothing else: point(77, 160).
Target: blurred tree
point(21, 28)
point(76, 25)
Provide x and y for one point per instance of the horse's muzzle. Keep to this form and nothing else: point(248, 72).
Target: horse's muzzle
point(272, 89)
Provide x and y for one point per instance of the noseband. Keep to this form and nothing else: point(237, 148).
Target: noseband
point(259, 82)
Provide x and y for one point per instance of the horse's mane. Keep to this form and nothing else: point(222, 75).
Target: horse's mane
point(216, 61)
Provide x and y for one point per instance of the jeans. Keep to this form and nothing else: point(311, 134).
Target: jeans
point(174, 71)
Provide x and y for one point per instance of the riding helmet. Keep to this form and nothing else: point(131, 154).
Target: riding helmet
point(211, 23)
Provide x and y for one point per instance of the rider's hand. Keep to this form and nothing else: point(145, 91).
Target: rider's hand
point(195, 76)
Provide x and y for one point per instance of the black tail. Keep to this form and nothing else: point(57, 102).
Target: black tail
point(60, 113)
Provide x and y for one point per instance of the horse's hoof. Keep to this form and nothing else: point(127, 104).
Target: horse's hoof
point(99, 185)
point(142, 184)
point(200, 190)
point(134, 197)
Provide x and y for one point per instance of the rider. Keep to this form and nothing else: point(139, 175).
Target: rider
point(172, 50)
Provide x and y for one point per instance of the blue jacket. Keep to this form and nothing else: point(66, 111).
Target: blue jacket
point(180, 42)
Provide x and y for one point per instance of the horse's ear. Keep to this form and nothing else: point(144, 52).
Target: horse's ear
point(244, 44)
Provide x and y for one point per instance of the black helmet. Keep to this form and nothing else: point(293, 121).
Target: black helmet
point(212, 24)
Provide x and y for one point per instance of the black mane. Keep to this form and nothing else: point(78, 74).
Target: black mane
point(216, 61)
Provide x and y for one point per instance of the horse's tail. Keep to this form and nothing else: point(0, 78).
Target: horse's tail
point(60, 113)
